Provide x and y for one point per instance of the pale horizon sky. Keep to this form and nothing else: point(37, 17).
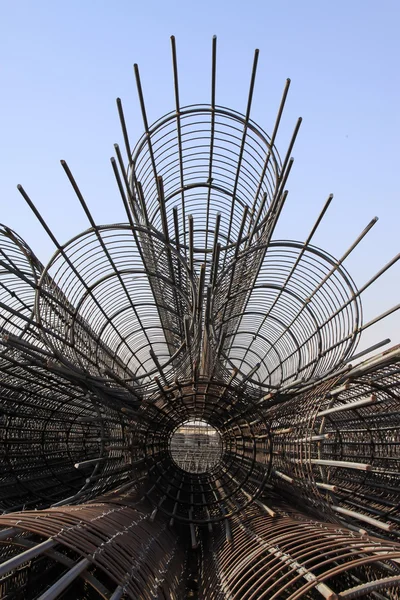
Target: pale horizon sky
point(63, 65)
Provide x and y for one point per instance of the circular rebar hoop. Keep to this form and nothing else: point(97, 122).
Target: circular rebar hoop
point(230, 484)
point(299, 320)
point(212, 161)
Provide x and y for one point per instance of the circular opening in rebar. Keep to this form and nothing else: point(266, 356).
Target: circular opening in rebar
point(196, 446)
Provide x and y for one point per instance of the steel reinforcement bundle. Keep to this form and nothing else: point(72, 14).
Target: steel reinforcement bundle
point(184, 413)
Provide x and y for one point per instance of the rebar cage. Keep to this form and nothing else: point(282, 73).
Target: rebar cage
point(182, 410)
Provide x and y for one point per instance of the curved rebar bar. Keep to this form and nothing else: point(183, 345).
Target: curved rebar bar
point(287, 556)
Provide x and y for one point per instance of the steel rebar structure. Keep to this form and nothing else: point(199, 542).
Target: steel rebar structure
point(180, 417)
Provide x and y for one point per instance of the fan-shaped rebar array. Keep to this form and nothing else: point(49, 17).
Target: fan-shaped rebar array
point(169, 382)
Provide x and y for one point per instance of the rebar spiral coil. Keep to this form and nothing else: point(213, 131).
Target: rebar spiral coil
point(300, 320)
point(233, 482)
point(212, 161)
point(113, 327)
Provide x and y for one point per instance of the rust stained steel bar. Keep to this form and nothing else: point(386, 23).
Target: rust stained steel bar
point(240, 155)
point(179, 134)
point(371, 586)
point(130, 202)
point(124, 129)
point(272, 558)
point(117, 540)
point(254, 226)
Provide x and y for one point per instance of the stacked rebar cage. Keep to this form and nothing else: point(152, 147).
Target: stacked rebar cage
point(180, 417)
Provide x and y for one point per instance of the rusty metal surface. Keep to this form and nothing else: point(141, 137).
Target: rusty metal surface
point(292, 557)
point(123, 548)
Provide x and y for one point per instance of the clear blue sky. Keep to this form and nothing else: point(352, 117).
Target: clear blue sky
point(63, 65)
